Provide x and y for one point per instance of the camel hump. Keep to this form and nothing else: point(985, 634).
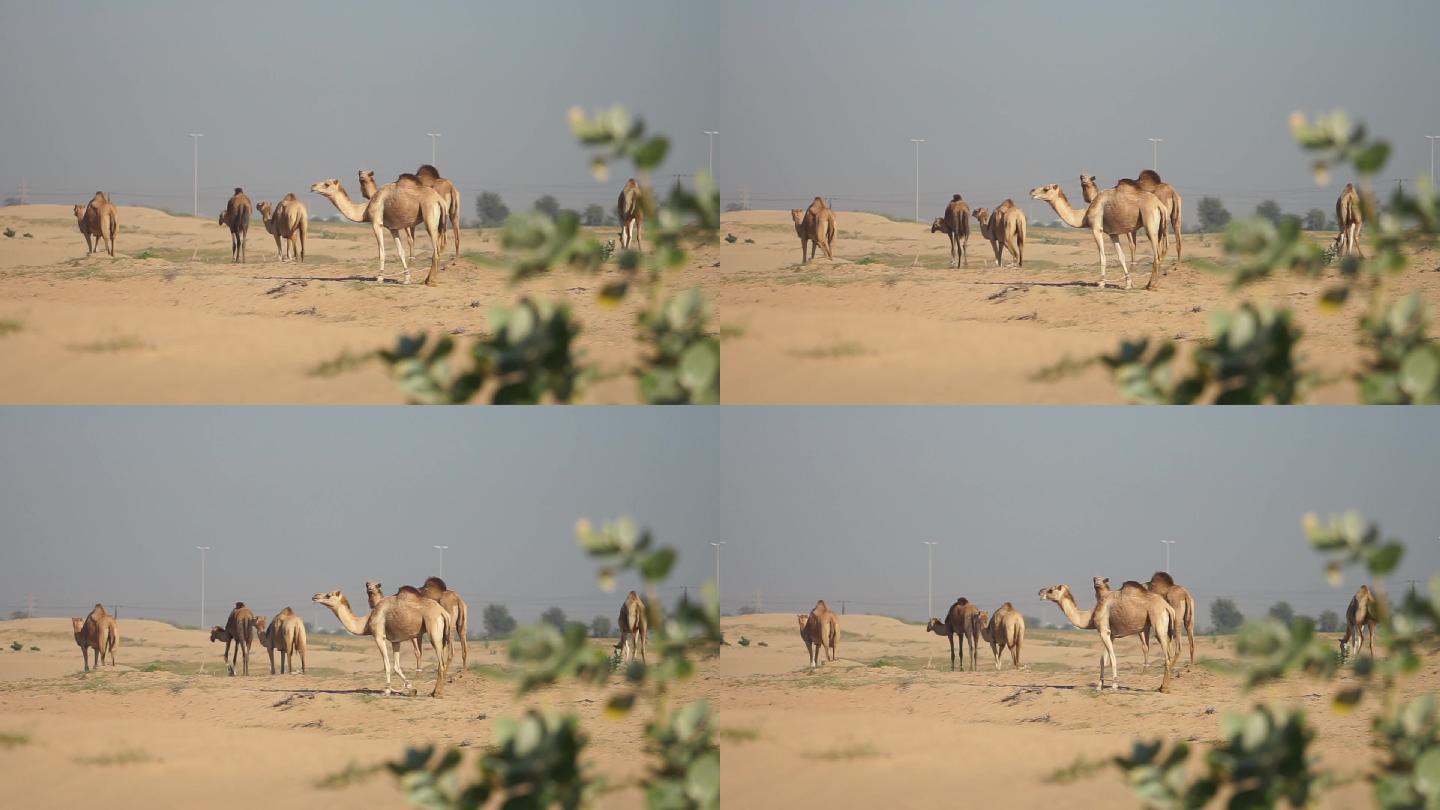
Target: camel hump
point(284, 612)
point(1150, 176)
point(437, 582)
point(408, 590)
point(1008, 606)
point(962, 601)
point(408, 179)
point(289, 198)
point(239, 190)
point(1132, 585)
point(955, 198)
point(239, 605)
point(428, 172)
point(1163, 578)
point(1128, 183)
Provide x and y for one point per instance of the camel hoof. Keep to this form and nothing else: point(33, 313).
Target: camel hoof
point(379, 279)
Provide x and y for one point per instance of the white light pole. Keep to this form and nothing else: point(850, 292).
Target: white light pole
point(917, 142)
point(433, 136)
point(1432, 139)
point(195, 201)
point(202, 549)
point(1155, 153)
point(1168, 544)
point(717, 546)
point(712, 133)
point(929, 578)
point(442, 561)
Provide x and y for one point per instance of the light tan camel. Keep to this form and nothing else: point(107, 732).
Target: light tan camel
point(236, 217)
point(435, 588)
point(955, 223)
point(824, 628)
point(959, 621)
point(1003, 228)
point(1149, 180)
point(92, 238)
point(816, 228)
point(368, 189)
point(401, 617)
point(430, 178)
point(1184, 604)
point(804, 620)
point(289, 220)
point(285, 635)
point(634, 628)
point(1005, 630)
point(1114, 212)
point(1351, 221)
point(1102, 590)
point(631, 213)
point(237, 626)
point(395, 207)
point(1359, 622)
point(102, 220)
point(373, 595)
point(99, 632)
point(1125, 612)
point(1089, 190)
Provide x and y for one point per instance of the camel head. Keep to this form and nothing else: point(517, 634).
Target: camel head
point(329, 188)
point(77, 625)
point(330, 599)
point(265, 210)
point(1101, 584)
point(217, 633)
point(983, 618)
point(365, 174)
point(1056, 593)
point(259, 623)
point(797, 214)
point(79, 212)
point(982, 215)
point(1048, 193)
point(804, 619)
point(937, 226)
point(933, 626)
point(220, 220)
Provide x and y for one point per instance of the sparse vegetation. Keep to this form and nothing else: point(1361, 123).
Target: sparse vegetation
point(126, 756)
point(16, 646)
point(13, 739)
point(105, 345)
point(846, 752)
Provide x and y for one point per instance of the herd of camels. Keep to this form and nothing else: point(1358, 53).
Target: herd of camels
point(1146, 203)
point(420, 199)
point(1159, 608)
point(408, 615)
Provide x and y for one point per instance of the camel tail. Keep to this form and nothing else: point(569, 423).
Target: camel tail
point(1175, 221)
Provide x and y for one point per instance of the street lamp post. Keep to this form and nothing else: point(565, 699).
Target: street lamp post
point(1432, 139)
point(441, 549)
point(1168, 544)
point(929, 578)
point(717, 546)
point(433, 136)
point(917, 142)
point(1155, 153)
point(195, 175)
point(202, 550)
point(712, 133)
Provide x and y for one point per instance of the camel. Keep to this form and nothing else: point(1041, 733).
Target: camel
point(1113, 212)
point(289, 219)
point(435, 588)
point(285, 635)
point(1350, 220)
point(373, 594)
point(634, 627)
point(1150, 181)
point(1184, 604)
point(955, 223)
point(237, 626)
point(92, 238)
point(959, 621)
point(368, 189)
point(804, 620)
point(394, 207)
point(218, 633)
point(237, 218)
point(631, 213)
point(824, 628)
point(99, 632)
point(1089, 190)
point(1004, 228)
point(1006, 629)
point(1125, 612)
point(401, 617)
point(1359, 622)
point(101, 220)
point(1102, 590)
point(816, 228)
point(449, 195)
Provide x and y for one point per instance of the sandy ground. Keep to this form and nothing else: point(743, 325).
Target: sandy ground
point(155, 731)
point(889, 725)
point(868, 328)
point(172, 320)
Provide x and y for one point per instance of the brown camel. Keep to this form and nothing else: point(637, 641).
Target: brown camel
point(368, 189)
point(374, 594)
point(1351, 221)
point(218, 633)
point(960, 621)
point(92, 238)
point(634, 627)
point(430, 178)
point(1114, 212)
point(804, 620)
point(1359, 622)
point(955, 223)
point(395, 207)
point(1184, 604)
point(1089, 190)
point(1004, 228)
point(1005, 630)
point(102, 221)
point(824, 628)
point(631, 213)
point(401, 617)
point(816, 228)
point(289, 220)
point(1102, 590)
point(1125, 612)
point(99, 632)
point(435, 588)
point(236, 217)
point(285, 635)
point(237, 626)
point(1150, 181)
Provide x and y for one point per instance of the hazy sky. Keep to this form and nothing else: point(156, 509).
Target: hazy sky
point(824, 97)
point(107, 504)
point(102, 95)
point(834, 503)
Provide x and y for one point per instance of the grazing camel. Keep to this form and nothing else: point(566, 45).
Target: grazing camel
point(955, 223)
point(92, 238)
point(959, 621)
point(1351, 221)
point(824, 629)
point(1004, 228)
point(102, 221)
point(430, 178)
point(1125, 612)
point(631, 213)
point(218, 633)
point(99, 632)
point(1114, 212)
point(236, 217)
point(394, 207)
point(237, 626)
point(290, 220)
point(1005, 630)
point(434, 588)
point(401, 617)
point(1359, 622)
point(634, 628)
point(285, 635)
point(1184, 604)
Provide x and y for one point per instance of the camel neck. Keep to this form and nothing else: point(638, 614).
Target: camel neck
point(1077, 617)
point(1069, 215)
point(347, 207)
point(348, 619)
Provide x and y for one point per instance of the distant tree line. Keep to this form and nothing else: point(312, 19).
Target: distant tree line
point(1225, 617)
point(491, 211)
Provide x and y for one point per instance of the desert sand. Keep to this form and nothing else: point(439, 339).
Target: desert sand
point(870, 328)
point(889, 725)
point(157, 731)
point(172, 320)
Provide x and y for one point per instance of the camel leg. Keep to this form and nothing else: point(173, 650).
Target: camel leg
point(416, 642)
point(271, 651)
point(385, 658)
point(380, 244)
point(1120, 253)
point(304, 229)
point(279, 249)
point(430, 278)
point(1100, 246)
point(952, 653)
point(1014, 248)
point(1109, 642)
point(395, 232)
point(1144, 650)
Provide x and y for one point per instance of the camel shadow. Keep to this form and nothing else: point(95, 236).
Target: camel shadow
point(1077, 283)
point(380, 692)
point(370, 279)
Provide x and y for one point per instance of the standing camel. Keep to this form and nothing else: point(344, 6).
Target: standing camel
point(1004, 228)
point(824, 628)
point(290, 220)
point(1351, 221)
point(634, 628)
point(1150, 181)
point(1180, 599)
point(92, 238)
point(395, 206)
point(99, 632)
point(1089, 190)
point(430, 178)
point(1005, 630)
point(102, 221)
point(374, 594)
point(1114, 213)
point(959, 621)
point(1359, 623)
point(238, 626)
point(237, 218)
point(368, 189)
point(955, 223)
point(285, 635)
point(401, 617)
point(435, 588)
point(1125, 612)
point(629, 209)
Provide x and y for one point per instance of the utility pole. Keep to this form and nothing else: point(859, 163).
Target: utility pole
point(1155, 153)
point(25, 187)
point(717, 546)
point(202, 549)
point(433, 136)
point(929, 578)
point(745, 198)
point(1168, 544)
point(1432, 139)
point(442, 561)
point(195, 191)
point(712, 133)
point(30, 607)
point(917, 142)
